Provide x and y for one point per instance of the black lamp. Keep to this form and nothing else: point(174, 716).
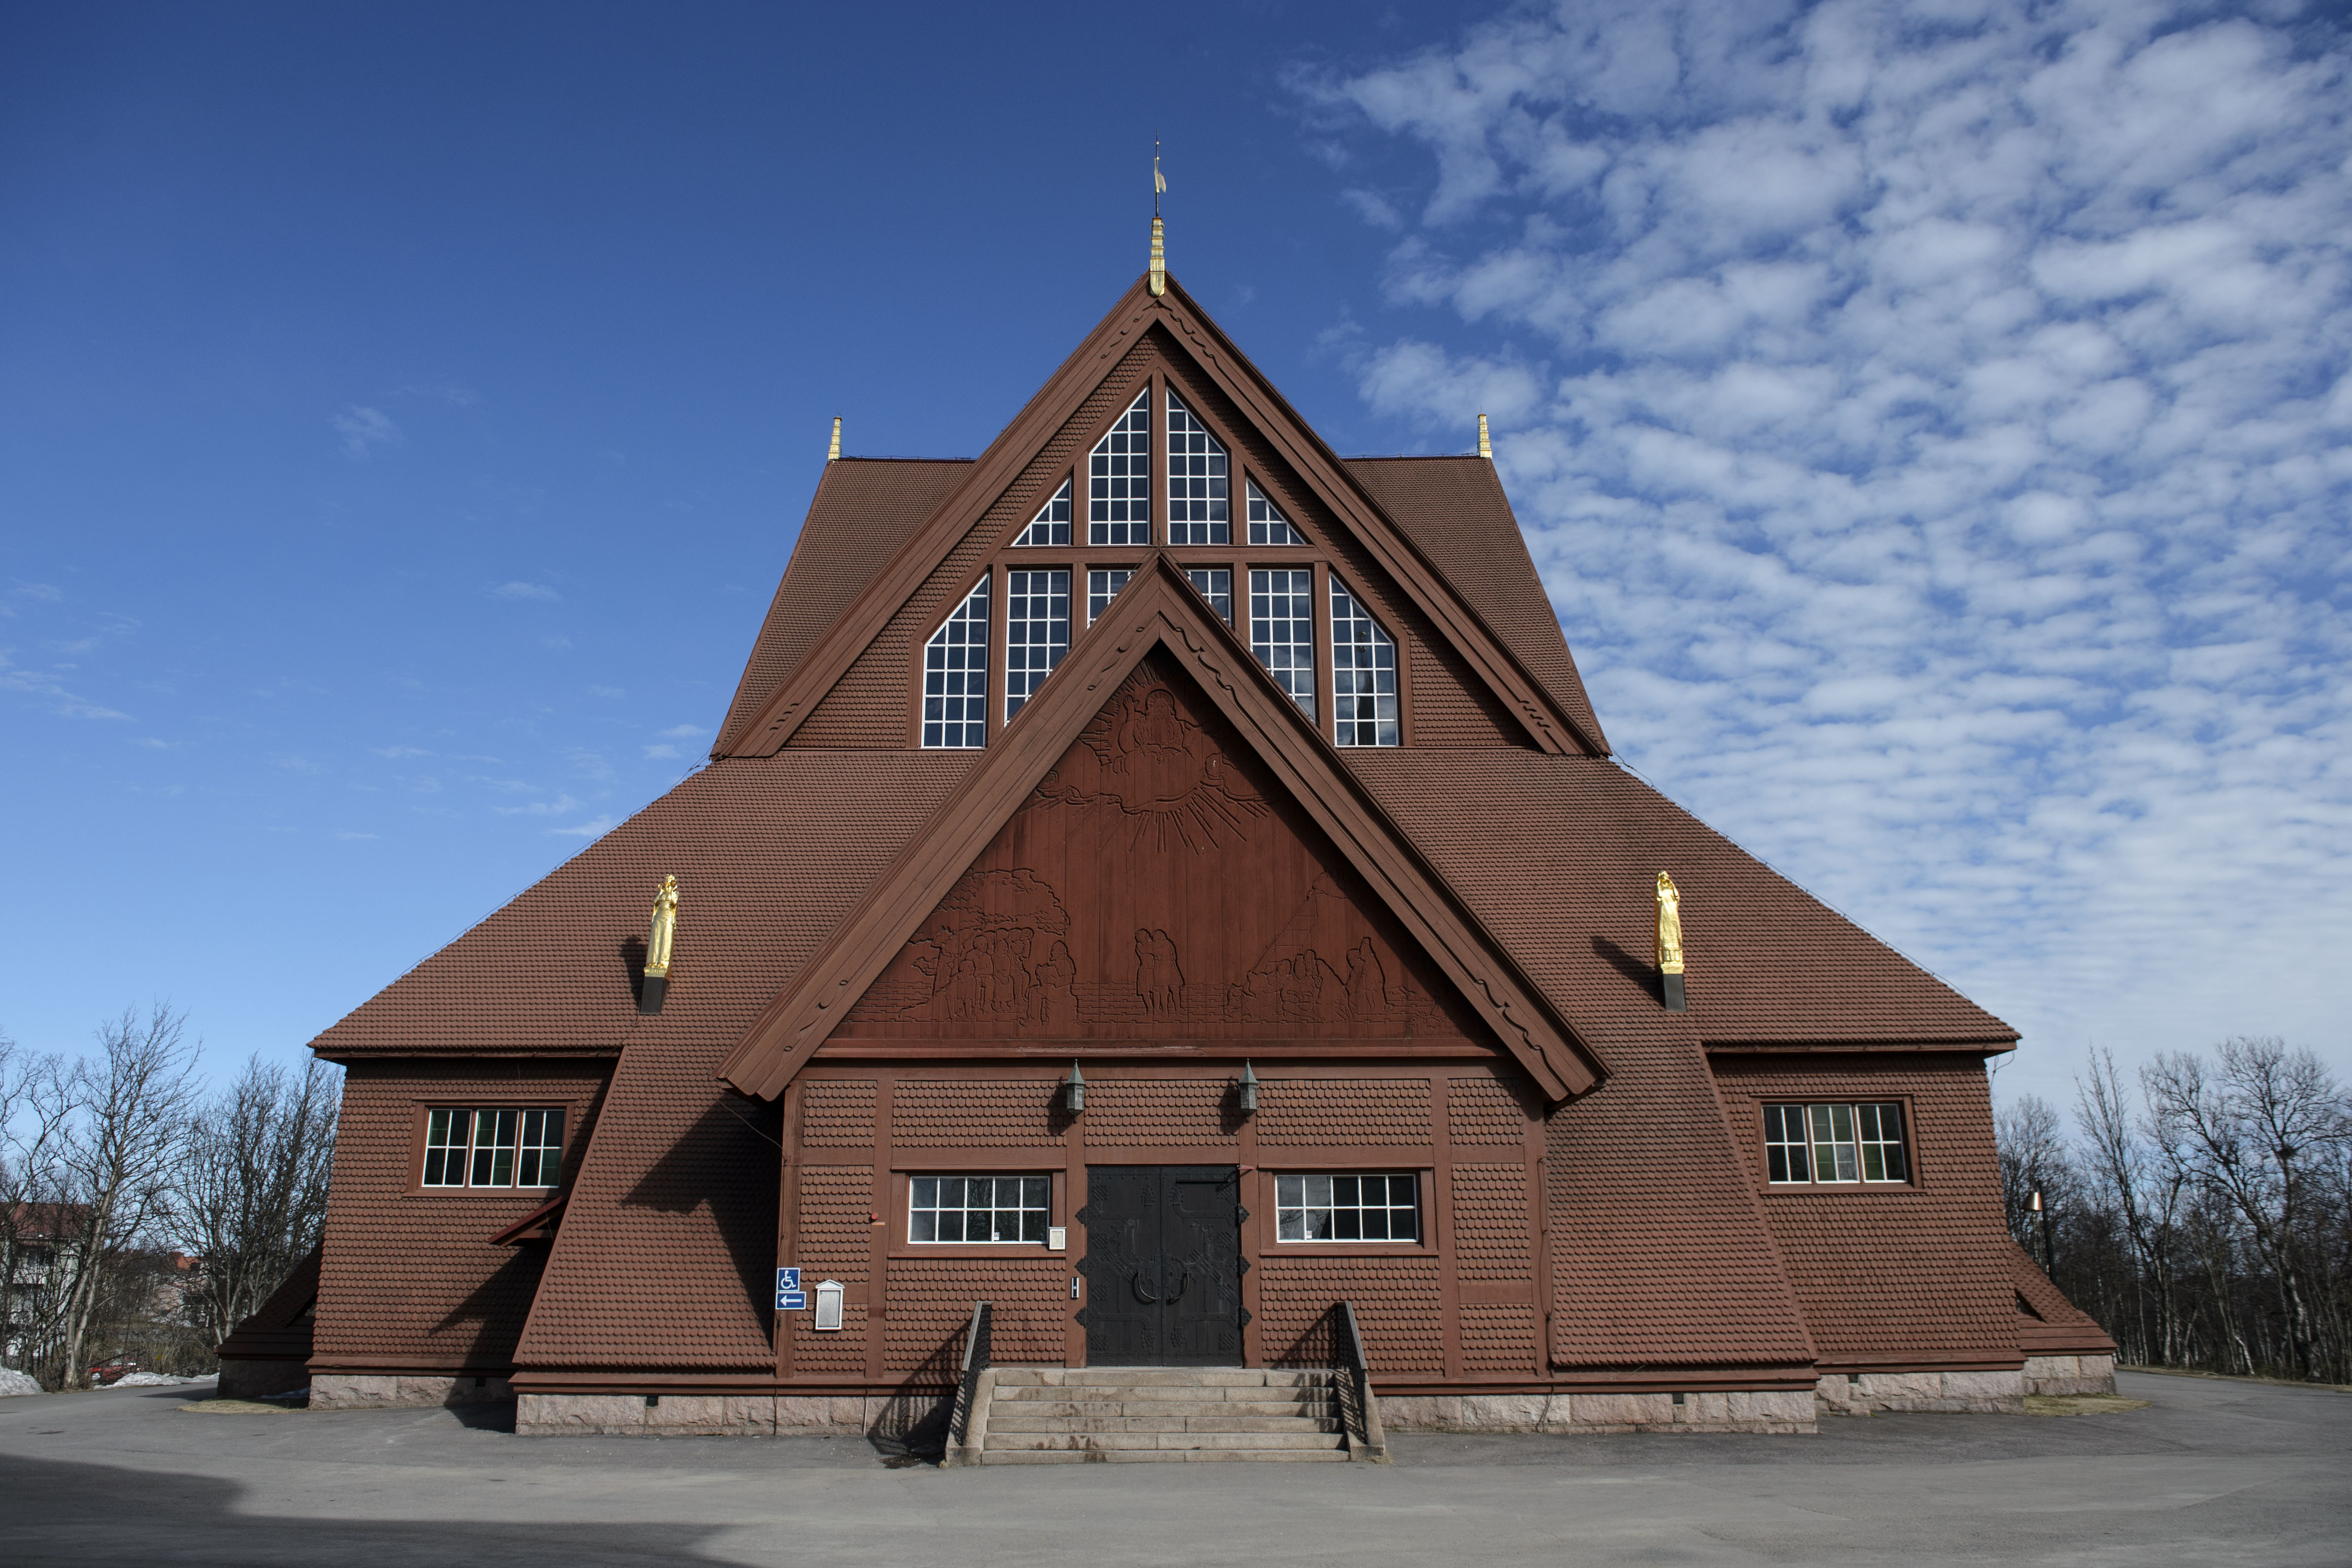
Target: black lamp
point(1074, 1089)
point(1249, 1090)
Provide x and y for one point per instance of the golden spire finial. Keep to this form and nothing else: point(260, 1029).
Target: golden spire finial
point(1486, 447)
point(835, 450)
point(1158, 234)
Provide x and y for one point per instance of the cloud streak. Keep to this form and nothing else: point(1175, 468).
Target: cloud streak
point(1935, 434)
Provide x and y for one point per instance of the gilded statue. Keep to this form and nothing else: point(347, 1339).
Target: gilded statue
point(1670, 926)
point(666, 928)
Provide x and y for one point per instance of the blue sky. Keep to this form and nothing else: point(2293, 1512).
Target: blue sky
point(1932, 426)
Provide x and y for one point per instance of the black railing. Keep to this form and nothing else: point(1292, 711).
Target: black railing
point(1359, 1412)
point(975, 1362)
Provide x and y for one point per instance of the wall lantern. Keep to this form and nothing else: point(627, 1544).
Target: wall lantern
point(1074, 1090)
point(1249, 1090)
point(828, 1305)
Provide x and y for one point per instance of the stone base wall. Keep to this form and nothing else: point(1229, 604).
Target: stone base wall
point(370, 1391)
point(1985, 1393)
point(1757, 1410)
point(2070, 1374)
point(242, 1379)
point(723, 1414)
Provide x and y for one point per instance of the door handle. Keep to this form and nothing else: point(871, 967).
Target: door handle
point(1182, 1280)
point(1140, 1292)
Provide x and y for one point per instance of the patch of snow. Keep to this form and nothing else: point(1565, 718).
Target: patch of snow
point(153, 1380)
point(12, 1382)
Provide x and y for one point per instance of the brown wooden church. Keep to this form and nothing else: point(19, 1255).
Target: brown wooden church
point(1166, 882)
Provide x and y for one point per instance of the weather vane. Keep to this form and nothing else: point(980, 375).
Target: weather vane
point(1159, 237)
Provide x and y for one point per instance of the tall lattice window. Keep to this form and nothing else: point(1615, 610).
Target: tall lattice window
point(1118, 479)
point(1102, 587)
point(1282, 631)
point(1834, 1143)
point(1036, 631)
point(955, 675)
point(1200, 509)
point(1363, 674)
point(1216, 586)
point(1266, 525)
point(1051, 526)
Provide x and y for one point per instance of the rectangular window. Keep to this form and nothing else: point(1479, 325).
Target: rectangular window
point(1118, 479)
point(967, 1209)
point(1363, 674)
point(1102, 587)
point(1216, 585)
point(1385, 1207)
point(1036, 631)
point(1051, 526)
point(1833, 1144)
point(1266, 525)
point(493, 1147)
point(955, 675)
point(1282, 631)
point(1198, 505)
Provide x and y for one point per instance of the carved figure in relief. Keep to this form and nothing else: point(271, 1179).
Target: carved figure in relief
point(1158, 768)
point(975, 956)
point(1052, 1000)
point(1158, 980)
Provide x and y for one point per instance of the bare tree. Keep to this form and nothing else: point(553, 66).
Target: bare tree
point(38, 1099)
point(253, 1187)
point(119, 1158)
point(2032, 1143)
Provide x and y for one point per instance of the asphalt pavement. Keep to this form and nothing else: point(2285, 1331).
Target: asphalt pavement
point(2213, 1472)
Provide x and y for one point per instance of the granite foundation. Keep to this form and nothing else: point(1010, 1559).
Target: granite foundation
point(2070, 1374)
point(370, 1391)
point(1870, 1392)
point(1752, 1410)
point(726, 1415)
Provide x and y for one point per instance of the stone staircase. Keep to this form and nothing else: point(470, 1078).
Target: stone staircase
point(1052, 1415)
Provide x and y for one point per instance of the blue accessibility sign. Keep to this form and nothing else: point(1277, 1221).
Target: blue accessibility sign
point(792, 1301)
point(788, 1279)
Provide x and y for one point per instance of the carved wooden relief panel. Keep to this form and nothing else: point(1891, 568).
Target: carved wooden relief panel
point(1154, 886)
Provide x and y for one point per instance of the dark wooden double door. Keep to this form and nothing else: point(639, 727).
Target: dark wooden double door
point(1164, 1266)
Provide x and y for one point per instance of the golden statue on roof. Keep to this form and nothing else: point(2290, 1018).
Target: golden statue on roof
point(1670, 926)
point(664, 930)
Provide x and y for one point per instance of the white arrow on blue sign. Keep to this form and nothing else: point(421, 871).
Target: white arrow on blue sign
point(792, 1301)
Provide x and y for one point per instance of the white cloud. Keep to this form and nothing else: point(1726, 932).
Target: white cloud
point(363, 430)
point(525, 590)
point(594, 828)
point(683, 732)
point(44, 686)
point(1938, 460)
point(655, 751)
point(614, 693)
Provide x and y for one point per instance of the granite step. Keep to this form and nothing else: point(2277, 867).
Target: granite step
point(1113, 1442)
point(1302, 1409)
point(1288, 1424)
point(995, 1455)
point(1157, 1377)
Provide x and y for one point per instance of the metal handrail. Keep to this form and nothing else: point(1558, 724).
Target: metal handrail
point(975, 1362)
point(1359, 1366)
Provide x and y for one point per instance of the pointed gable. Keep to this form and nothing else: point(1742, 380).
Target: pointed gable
point(1157, 884)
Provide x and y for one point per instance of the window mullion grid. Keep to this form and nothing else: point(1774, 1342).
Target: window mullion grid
point(998, 614)
point(1318, 619)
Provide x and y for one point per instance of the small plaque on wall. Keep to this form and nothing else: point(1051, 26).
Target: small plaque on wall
point(1056, 1238)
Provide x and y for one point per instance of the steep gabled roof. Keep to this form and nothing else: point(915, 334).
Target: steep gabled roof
point(1534, 703)
point(1160, 610)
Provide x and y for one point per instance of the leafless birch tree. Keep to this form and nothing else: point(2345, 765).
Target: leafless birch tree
point(252, 1190)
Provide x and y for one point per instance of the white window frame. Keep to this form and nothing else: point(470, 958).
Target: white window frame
point(1337, 1197)
point(1363, 674)
point(1837, 1143)
point(1267, 525)
point(1104, 585)
point(518, 1142)
point(1118, 479)
point(1051, 526)
point(1035, 644)
point(1027, 1184)
point(1296, 672)
point(1216, 584)
point(1200, 482)
point(955, 676)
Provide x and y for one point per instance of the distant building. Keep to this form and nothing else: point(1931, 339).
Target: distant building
point(1166, 881)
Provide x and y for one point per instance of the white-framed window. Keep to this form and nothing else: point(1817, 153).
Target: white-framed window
point(955, 675)
point(1102, 587)
point(1200, 507)
point(1009, 1209)
point(1383, 1206)
point(1266, 525)
point(1216, 584)
point(1036, 631)
point(1051, 526)
point(1363, 675)
point(1826, 1145)
point(1282, 629)
point(1118, 479)
point(492, 1146)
